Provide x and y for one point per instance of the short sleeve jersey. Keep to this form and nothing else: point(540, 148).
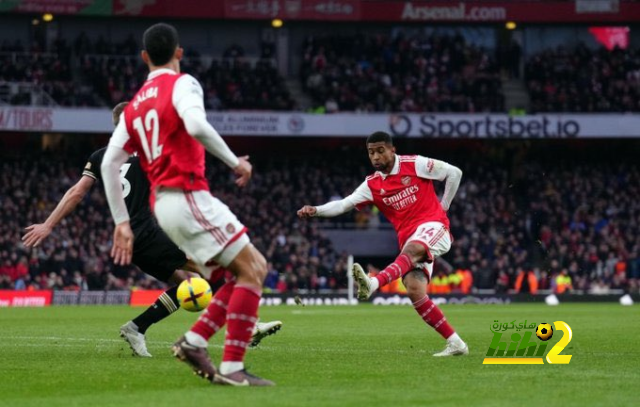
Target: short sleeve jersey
point(152, 126)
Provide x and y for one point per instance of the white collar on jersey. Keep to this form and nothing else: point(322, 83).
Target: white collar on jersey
point(394, 170)
point(159, 72)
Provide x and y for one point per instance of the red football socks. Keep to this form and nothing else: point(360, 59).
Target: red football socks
point(242, 316)
point(432, 315)
point(215, 316)
point(395, 270)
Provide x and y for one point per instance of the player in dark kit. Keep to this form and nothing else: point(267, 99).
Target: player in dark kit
point(154, 253)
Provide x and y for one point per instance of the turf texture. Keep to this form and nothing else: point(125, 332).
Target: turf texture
point(324, 356)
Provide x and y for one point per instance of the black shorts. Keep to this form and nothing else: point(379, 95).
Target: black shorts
point(155, 254)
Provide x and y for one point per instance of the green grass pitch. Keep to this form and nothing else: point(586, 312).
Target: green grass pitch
point(324, 356)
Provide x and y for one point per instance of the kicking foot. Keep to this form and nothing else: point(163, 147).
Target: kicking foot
point(197, 358)
point(135, 339)
point(454, 349)
point(363, 281)
point(242, 378)
point(262, 330)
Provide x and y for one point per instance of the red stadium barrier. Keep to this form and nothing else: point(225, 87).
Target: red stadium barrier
point(11, 298)
point(144, 297)
point(348, 10)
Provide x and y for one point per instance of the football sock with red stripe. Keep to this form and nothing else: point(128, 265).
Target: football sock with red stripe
point(432, 315)
point(164, 306)
point(242, 316)
point(215, 316)
point(395, 270)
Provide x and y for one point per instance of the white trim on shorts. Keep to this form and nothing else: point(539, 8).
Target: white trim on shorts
point(202, 226)
point(437, 242)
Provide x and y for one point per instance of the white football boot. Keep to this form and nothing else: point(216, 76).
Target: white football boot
point(363, 281)
point(454, 348)
point(263, 329)
point(135, 339)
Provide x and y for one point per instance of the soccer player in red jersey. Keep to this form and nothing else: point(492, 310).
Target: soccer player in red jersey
point(402, 189)
point(166, 125)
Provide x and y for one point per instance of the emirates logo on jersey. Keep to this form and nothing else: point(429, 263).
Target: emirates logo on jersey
point(403, 199)
point(406, 180)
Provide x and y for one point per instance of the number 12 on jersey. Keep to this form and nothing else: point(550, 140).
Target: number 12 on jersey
point(151, 124)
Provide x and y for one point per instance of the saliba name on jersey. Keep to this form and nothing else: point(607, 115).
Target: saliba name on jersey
point(144, 95)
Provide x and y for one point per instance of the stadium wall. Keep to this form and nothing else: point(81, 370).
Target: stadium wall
point(425, 125)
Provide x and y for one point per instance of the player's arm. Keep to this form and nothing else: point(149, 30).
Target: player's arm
point(440, 171)
point(360, 196)
point(38, 232)
point(189, 103)
point(114, 157)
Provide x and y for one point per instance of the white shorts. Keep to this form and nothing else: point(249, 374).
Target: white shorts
point(435, 237)
point(202, 226)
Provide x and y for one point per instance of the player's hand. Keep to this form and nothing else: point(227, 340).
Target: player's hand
point(122, 249)
point(243, 171)
point(35, 234)
point(307, 211)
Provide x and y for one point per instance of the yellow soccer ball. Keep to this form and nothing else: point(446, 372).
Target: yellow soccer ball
point(194, 294)
point(544, 331)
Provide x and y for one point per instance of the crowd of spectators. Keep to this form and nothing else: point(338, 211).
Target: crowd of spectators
point(48, 70)
point(581, 79)
point(363, 73)
point(419, 73)
point(520, 223)
point(76, 255)
point(232, 82)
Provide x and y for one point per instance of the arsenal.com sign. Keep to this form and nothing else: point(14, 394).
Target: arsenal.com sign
point(453, 12)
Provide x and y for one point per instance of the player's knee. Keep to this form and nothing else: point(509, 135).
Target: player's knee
point(416, 252)
point(416, 284)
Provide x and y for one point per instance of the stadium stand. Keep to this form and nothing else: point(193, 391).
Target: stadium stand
point(373, 73)
point(519, 212)
point(581, 79)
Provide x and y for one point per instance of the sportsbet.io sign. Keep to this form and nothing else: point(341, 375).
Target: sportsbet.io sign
point(489, 126)
point(414, 125)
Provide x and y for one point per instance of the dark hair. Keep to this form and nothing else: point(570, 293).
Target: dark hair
point(160, 41)
point(379, 136)
point(117, 111)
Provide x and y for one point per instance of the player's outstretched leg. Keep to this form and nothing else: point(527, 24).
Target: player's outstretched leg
point(134, 331)
point(250, 267)
point(416, 283)
point(262, 330)
point(368, 285)
point(192, 347)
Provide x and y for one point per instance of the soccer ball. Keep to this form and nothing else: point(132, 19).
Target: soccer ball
point(544, 331)
point(194, 294)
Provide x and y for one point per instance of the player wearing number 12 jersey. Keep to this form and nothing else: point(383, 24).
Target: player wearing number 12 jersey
point(165, 123)
point(402, 189)
point(153, 252)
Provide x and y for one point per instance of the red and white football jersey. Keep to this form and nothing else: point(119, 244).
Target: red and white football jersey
point(406, 195)
point(153, 128)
